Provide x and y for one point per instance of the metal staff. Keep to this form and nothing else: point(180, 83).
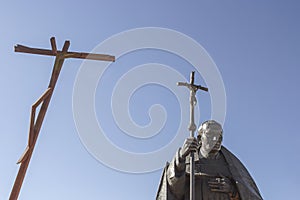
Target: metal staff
point(192, 126)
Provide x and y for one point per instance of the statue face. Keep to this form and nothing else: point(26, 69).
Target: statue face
point(211, 137)
point(211, 142)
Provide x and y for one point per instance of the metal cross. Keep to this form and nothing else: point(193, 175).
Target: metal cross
point(44, 100)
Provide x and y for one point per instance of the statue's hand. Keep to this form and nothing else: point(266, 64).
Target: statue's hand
point(222, 184)
point(189, 145)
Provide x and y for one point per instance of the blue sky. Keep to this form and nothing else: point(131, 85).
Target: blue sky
point(255, 45)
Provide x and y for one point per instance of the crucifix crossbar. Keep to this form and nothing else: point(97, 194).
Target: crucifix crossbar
point(44, 100)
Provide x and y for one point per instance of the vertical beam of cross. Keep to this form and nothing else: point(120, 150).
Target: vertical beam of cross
point(44, 100)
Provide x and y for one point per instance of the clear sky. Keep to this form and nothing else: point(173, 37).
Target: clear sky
point(254, 44)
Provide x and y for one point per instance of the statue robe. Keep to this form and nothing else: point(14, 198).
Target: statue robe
point(174, 186)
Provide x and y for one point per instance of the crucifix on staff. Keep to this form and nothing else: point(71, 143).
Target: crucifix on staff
point(192, 126)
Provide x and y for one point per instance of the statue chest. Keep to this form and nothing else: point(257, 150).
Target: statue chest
point(205, 171)
point(210, 167)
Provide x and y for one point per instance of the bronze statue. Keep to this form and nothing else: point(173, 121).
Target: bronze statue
point(218, 174)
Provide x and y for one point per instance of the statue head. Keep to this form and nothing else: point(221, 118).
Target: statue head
point(210, 135)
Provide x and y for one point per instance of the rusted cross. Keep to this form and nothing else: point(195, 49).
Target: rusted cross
point(44, 100)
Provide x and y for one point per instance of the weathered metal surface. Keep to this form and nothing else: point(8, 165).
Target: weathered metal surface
point(54, 52)
point(44, 100)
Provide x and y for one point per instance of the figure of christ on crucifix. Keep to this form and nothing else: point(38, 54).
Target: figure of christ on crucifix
point(203, 169)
